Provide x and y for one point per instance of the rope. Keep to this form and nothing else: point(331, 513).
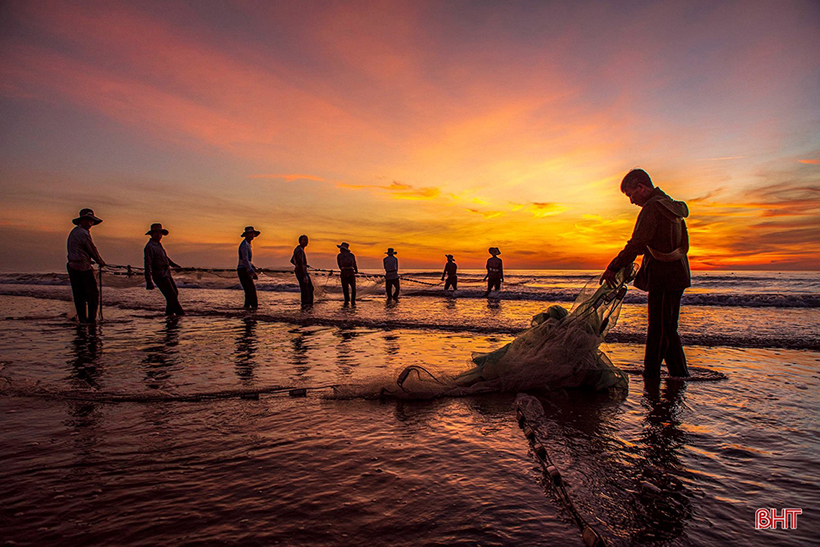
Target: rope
point(591, 537)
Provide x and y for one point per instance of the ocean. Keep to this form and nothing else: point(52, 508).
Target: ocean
point(147, 431)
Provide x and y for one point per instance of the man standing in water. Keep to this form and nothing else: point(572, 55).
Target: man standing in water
point(659, 235)
point(347, 265)
point(391, 275)
point(299, 261)
point(245, 269)
point(450, 270)
point(495, 271)
point(158, 270)
point(81, 255)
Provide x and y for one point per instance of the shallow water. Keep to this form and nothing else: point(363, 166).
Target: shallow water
point(673, 464)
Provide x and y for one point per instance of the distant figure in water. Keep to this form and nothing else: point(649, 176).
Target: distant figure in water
point(495, 271)
point(158, 270)
point(391, 275)
point(299, 261)
point(347, 265)
point(246, 270)
point(450, 270)
point(659, 235)
point(82, 253)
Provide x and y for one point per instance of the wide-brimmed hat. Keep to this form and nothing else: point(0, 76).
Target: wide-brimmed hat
point(157, 227)
point(87, 214)
point(344, 245)
point(390, 251)
point(450, 257)
point(249, 230)
point(494, 251)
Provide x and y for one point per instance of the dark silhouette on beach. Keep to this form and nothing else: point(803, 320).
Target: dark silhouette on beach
point(82, 254)
point(158, 270)
point(495, 271)
point(299, 261)
point(659, 235)
point(391, 275)
point(348, 270)
point(449, 272)
point(246, 270)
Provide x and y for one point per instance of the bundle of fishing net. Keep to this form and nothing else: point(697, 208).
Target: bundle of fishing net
point(559, 351)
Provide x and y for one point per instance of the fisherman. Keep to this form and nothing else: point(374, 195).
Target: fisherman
point(82, 253)
point(347, 264)
point(246, 270)
point(299, 261)
point(158, 270)
point(391, 275)
point(495, 271)
point(659, 235)
point(450, 270)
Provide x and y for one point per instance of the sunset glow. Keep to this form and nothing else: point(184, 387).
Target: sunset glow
point(433, 128)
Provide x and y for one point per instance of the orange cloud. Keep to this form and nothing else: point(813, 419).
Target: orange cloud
point(288, 178)
point(811, 162)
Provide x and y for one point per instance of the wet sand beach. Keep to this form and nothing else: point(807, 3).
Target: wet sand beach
point(668, 464)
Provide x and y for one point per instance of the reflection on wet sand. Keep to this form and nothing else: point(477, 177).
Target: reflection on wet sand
point(301, 343)
point(160, 357)
point(246, 346)
point(346, 358)
point(85, 373)
point(664, 503)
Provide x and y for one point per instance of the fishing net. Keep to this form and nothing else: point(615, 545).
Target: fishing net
point(559, 351)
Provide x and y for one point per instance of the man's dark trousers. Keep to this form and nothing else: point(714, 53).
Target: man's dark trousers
point(169, 290)
point(662, 340)
point(251, 301)
point(306, 288)
point(84, 290)
point(349, 286)
point(392, 287)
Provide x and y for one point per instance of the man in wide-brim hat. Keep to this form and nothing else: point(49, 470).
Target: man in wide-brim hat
point(246, 270)
point(450, 270)
point(391, 274)
point(348, 270)
point(495, 271)
point(158, 270)
point(82, 254)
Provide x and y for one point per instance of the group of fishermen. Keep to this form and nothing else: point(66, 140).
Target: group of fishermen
point(82, 254)
point(660, 235)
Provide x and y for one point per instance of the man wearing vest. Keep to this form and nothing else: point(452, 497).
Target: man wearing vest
point(81, 255)
point(659, 235)
point(347, 265)
point(391, 275)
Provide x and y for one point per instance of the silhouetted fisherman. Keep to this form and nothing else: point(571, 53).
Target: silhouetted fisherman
point(82, 253)
point(450, 270)
point(347, 265)
point(659, 235)
point(391, 274)
point(246, 270)
point(495, 271)
point(299, 261)
point(158, 270)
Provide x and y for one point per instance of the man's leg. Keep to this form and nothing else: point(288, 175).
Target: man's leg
point(398, 286)
point(92, 295)
point(78, 292)
point(169, 290)
point(249, 288)
point(654, 334)
point(674, 356)
point(346, 288)
point(353, 288)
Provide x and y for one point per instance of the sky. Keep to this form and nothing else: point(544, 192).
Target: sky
point(433, 128)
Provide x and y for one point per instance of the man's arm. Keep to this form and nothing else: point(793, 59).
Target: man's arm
point(92, 251)
point(147, 253)
point(641, 235)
